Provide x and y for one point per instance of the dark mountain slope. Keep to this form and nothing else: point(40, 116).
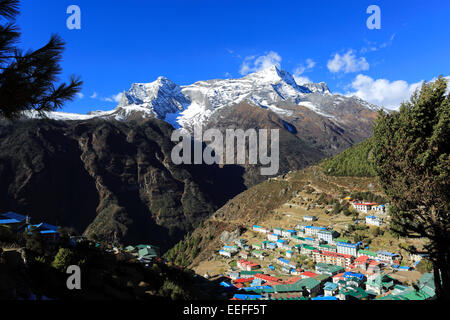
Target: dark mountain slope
point(108, 178)
point(304, 139)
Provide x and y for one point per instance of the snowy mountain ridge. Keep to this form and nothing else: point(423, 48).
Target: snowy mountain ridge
point(191, 105)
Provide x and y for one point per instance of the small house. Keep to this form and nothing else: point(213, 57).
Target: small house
point(330, 289)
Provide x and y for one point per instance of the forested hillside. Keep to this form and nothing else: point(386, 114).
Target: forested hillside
point(356, 161)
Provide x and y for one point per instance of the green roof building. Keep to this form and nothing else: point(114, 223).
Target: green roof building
point(328, 269)
point(368, 253)
point(250, 273)
point(328, 247)
point(353, 294)
point(147, 253)
point(310, 284)
point(323, 278)
point(380, 284)
point(426, 289)
point(143, 246)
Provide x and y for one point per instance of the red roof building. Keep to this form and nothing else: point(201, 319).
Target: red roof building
point(243, 280)
point(267, 278)
point(308, 274)
point(361, 259)
point(247, 265)
point(338, 277)
point(364, 203)
point(339, 259)
point(292, 280)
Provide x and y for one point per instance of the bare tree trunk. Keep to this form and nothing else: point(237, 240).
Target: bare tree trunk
point(444, 270)
point(441, 270)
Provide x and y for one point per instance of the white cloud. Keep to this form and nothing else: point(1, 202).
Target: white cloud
point(310, 64)
point(298, 72)
point(373, 46)
point(94, 95)
point(302, 80)
point(114, 98)
point(80, 95)
point(254, 63)
point(383, 92)
point(347, 63)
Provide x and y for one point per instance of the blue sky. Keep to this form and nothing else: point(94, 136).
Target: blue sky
point(121, 42)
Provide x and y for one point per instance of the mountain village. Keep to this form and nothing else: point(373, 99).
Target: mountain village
point(267, 268)
point(315, 258)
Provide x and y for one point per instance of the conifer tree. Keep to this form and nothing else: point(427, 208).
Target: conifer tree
point(27, 79)
point(412, 156)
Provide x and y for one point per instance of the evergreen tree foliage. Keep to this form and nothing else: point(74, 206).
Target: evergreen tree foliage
point(63, 259)
point(412, 157)
point(354, 162)
point(27, 79)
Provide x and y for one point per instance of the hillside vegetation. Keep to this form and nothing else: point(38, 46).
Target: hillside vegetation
point(260, 204)
point(354, 162)
point(32, 267)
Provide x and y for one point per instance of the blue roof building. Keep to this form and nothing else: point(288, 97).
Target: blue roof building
point(330, 286)
point(284, 260)
point(360, 276)
point(348, 245)
point(325, 298)
point(226, 284)
point(255, 288)
point(43, 228)
point(256, 282)
point(387, 253)
point(316, 228)
point(404, 268)
point(271, 245)
point(11, 218)
point(247, 296)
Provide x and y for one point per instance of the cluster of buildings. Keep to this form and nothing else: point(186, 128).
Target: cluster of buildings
point(365, 207)
point(20, 223)
point(342, 270)
point(321, 244)
point(328, 282)
point(145, 253)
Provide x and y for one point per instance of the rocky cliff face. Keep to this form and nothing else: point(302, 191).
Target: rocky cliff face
point(111, 179)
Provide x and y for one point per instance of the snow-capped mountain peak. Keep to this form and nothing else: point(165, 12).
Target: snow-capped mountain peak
point(320, 87)
point(157, 98)
point(191, 105)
